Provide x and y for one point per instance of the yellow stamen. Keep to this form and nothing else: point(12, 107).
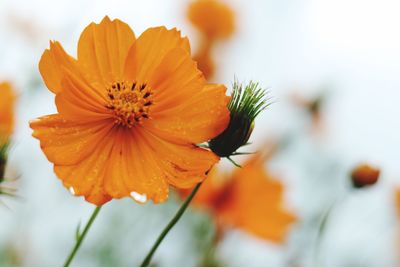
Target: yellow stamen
point(130, 102)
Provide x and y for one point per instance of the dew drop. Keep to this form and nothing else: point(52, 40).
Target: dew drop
point(71, 189)
point(141, 198)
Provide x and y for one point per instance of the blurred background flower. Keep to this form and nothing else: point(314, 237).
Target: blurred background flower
point(305, 48)
point(7, 123)
point(215, 21)
point(249, 199)
point(7, 113)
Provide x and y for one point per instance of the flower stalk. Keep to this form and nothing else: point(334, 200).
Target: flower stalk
point(169, 226)
point(80, 237)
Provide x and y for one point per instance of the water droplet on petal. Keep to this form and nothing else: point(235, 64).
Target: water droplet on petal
point(71, 189)
point(141, 198)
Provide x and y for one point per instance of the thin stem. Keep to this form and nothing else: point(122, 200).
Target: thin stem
point(80, 237)
point(322, 228)
point(169, 226)
point(321, 232)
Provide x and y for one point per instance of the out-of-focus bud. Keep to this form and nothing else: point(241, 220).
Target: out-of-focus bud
point(364, 175)
point(314, 106)
point(245, 105)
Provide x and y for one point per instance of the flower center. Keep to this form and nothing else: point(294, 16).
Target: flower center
point(130, 102)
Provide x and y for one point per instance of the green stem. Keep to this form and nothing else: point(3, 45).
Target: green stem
point(169, 226)
point(80, 237)
point(321, 232)
point(322, 228)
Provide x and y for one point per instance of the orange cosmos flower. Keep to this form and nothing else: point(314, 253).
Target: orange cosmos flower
point(130, 112)
point(213, 18)
point(249, 199)
point(7, 103)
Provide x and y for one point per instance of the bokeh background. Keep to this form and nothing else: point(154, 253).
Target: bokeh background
point(344, 50)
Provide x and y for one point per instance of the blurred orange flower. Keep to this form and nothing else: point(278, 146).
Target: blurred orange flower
point(130, 112)
point(213, 18)
point(205, 62)
point(249, 199)
point(7, 103)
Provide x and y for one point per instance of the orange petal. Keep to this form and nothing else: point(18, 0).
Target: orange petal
point(185, 164)
point(51, 64)
point(150, 49)
point(211, 193)
point(86, 178)
point(119, 171)
point(102, 50)
point(175, 80)
point(151, 174)
point(80, 101)
point(275, 229)
point(67, 142)
point(132, 170)
point(196, 120)
point(255, 204)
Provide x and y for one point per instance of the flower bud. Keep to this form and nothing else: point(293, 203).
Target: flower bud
point(314, 106)
point(364, 175)
point(244, 107)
